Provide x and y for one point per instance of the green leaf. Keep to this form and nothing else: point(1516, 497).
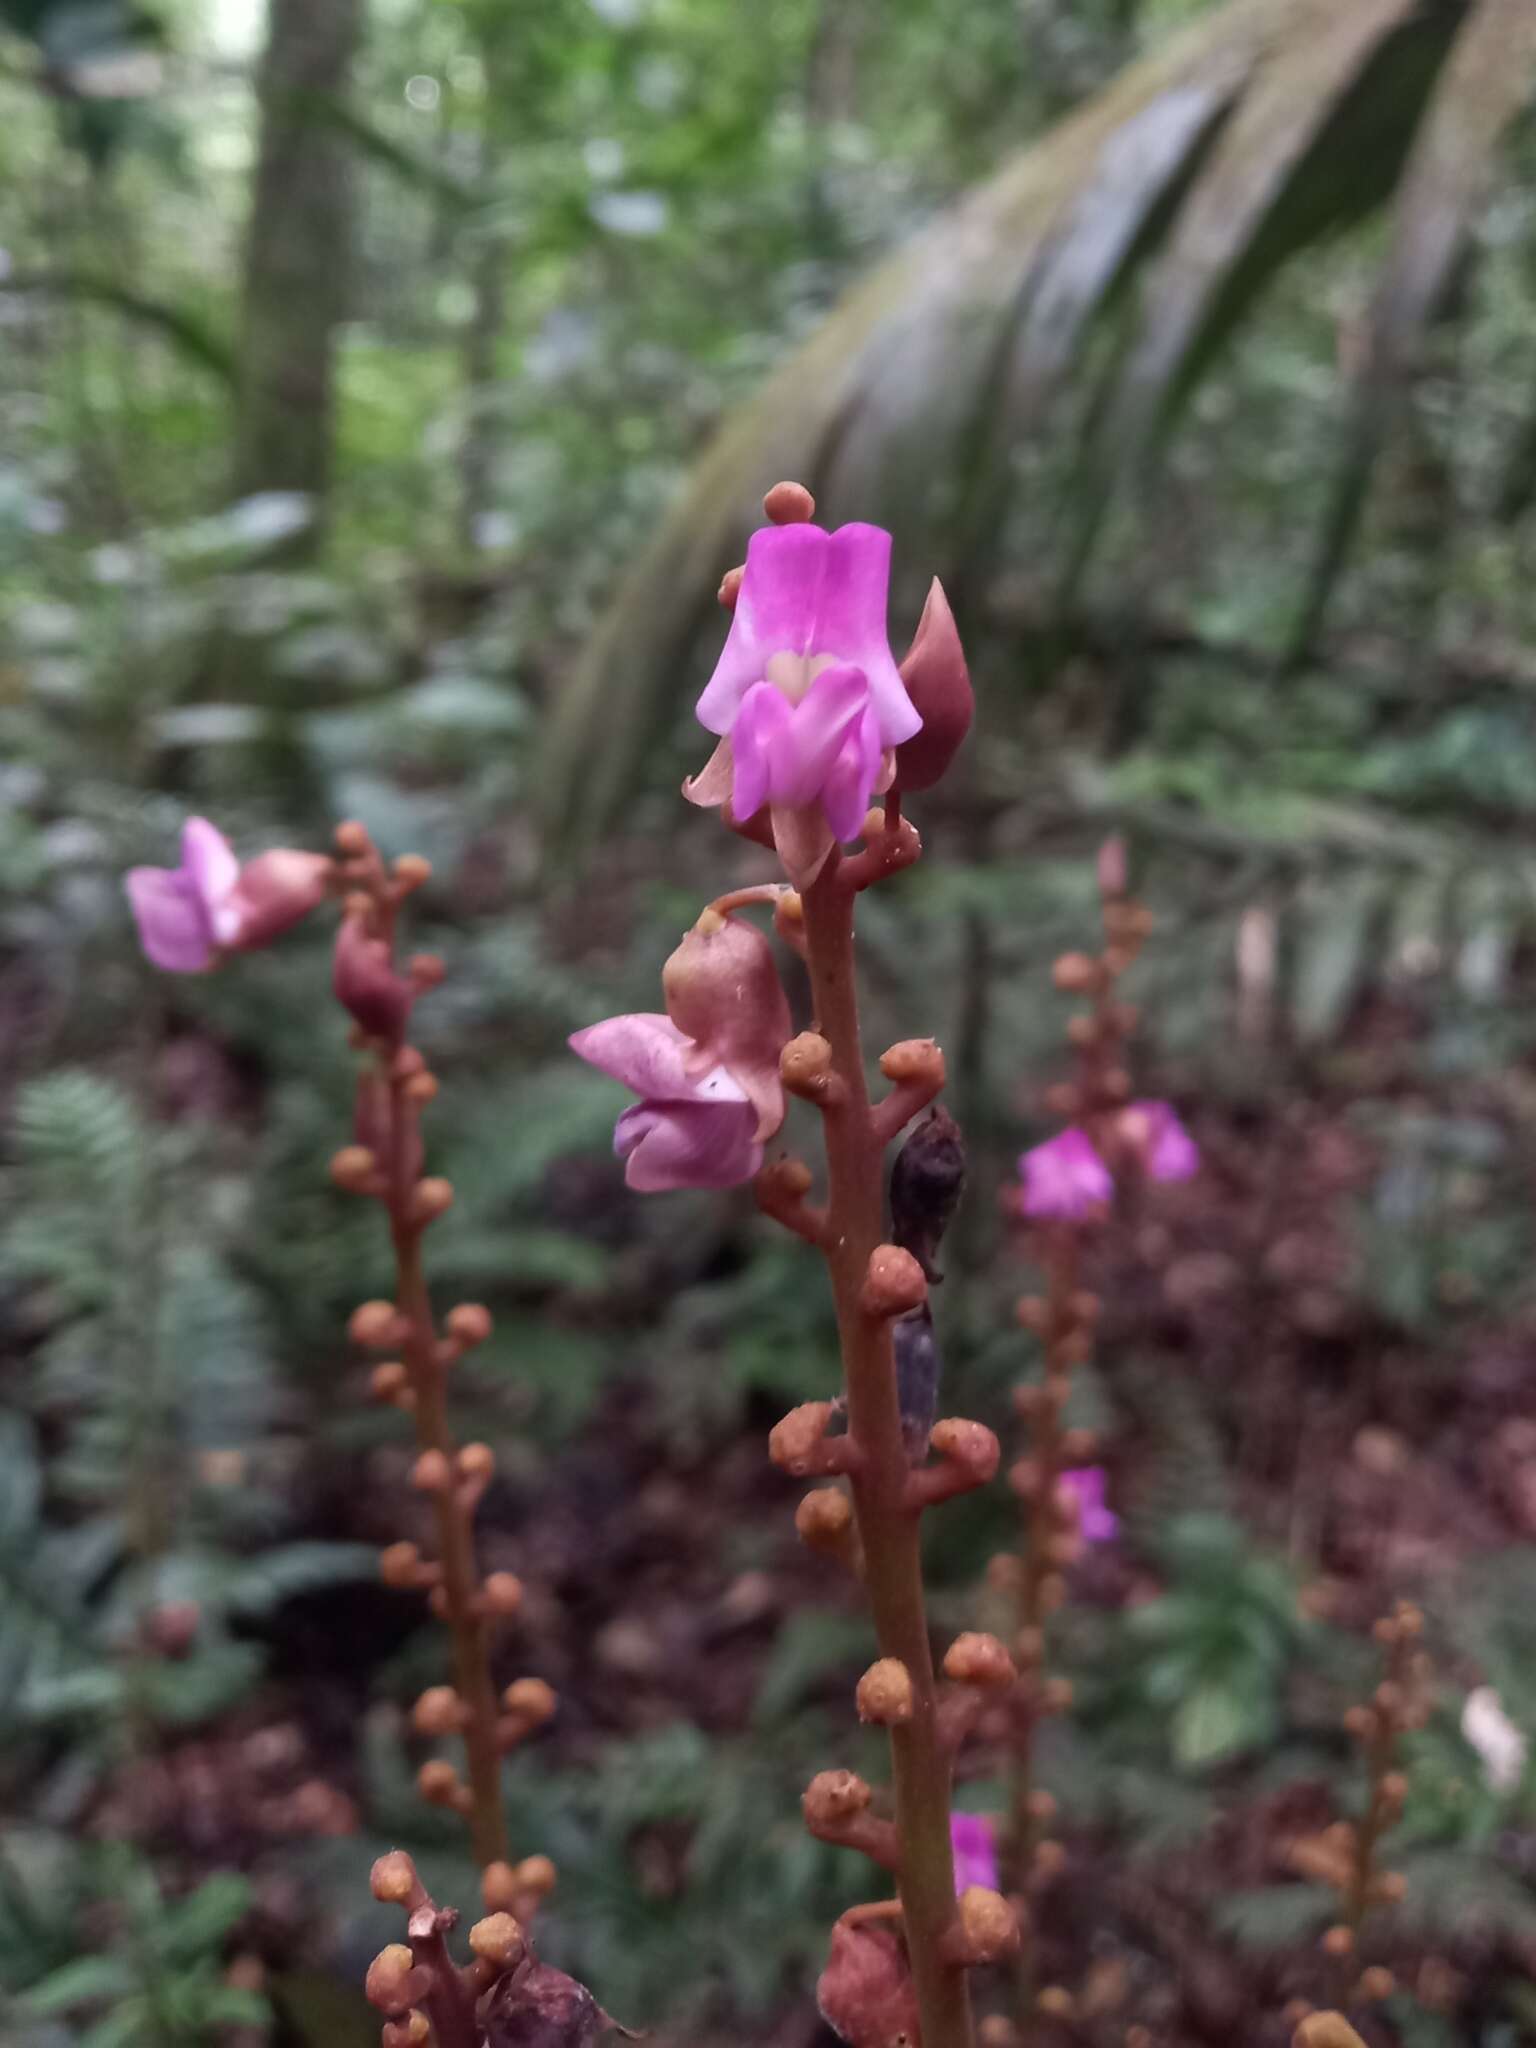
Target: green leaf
point(89, 1980)
point(1215, 1721)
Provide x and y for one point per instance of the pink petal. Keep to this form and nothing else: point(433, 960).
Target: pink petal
point(972, 1840)
point(674, 1145)
point(826, 717)
point(209, 862)
point(775, 613)
point(1085, 1484)
point(644, 1050)
point(761, 730)
point(173, 928)
point(1065, 1177)
point(850, 782)
point(1172, 1153)
point(711, 787)
point(850, 622)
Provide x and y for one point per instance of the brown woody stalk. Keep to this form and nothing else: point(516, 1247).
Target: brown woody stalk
point(1348, 1855)
point(386, 1165)
point(889, 1527)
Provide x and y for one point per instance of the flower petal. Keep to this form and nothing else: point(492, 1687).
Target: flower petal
point(760, 739)
point(173, 928)
point(1172, 1153)
point(673, 1145)
point(211, 866)
point(645, 1051)
point(850, 782)
point(711, 787)
point(1065, 1177)
point(776, 610)
point(850, 622)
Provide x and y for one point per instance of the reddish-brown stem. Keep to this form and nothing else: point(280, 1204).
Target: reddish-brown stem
point(467, 1626)
point(449, 2004)
point(888, 1528)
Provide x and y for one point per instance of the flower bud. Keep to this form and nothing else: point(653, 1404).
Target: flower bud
point(393, 1880)
point(438, 1782)
point(476, 1463)
point(377, 1325)
point(919, 1061)
point(793, 1443)
point(893, 1283)
point(1056, 2002)
point(975, 1659)
point(824, 1519)
point(723, 991)
point(1377, 1983)
point(498, 1887)
point(366, 983)
point(834, 1796)
point(1326, 2030)
point(388, 1381)
point(536, 1874)
point(395, 1982)
point(411, 870)
point(1076, 973)
point(789, 504)
point(939, 684)
point(498, 1939)
point(502, 1594)
point(530, 1700)
point(430, 1198)
point(439, 1711)
point(968, 1444)
point(884, 1693)
point(276, 890)
point(730, 586)
point(431, 1473)
point(469, 1323)
point(805, 1065)
point(400, 1565)
point(353, 1168)
point(989, 1926)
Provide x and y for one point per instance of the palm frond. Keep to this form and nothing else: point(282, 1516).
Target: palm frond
point(1152, 219)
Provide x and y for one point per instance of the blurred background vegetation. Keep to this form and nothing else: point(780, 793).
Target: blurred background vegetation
point(385, 386)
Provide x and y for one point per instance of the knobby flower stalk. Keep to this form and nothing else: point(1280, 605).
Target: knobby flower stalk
point(1347, 1857)
point(816, 721)
point(192, 919)
point(1065, 1196)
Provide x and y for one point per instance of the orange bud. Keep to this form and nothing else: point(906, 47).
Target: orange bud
point(439, 1711)
point(884, 1693)
point(393, 1879)
point(975, 1659)
point(531, 1699)
point(536, 1874)
point(502, 1593)
point(469, 1323)
point(789, 504)
point(498, 1939)
point(376, 1325)
point(894, 1284)
point(430, 1473)
point(834, 1796)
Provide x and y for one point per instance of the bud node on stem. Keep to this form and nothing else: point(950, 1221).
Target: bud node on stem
point(894, 1283)
point(884, 1693)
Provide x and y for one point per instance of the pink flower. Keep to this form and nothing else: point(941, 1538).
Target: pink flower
point(972, 1837)
point(724, 994)
point(364, 978)
point(1064, 1178)
point(1168, 1150)
point(210, 905)
point(1084, 1486)
point(688, 1130)
point(806, 695)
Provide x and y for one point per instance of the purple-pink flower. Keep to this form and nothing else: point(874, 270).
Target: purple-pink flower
point(1084, 1486)
point(972, 1838)
point(212, 904)
point(186, 914)
point(1064, 1178)
point(806, 696)
point(1167, 1149)
point(687, 1130)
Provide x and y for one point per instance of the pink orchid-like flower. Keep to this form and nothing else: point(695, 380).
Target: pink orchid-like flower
point(187, 916)
point(806, 696)
point(973, 1839)
point(1084, 1487)
point(687, 1130)
point(1064, 1179)
point(1167, 1149)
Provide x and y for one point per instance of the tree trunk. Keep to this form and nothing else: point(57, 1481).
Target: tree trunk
point(298, 245)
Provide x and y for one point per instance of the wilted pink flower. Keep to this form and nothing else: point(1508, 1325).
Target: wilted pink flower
point(973, 1839)
point(366, 983)
point(1084, 1485)
point(1064, 1178)
point(723, 992)
point(688, 1130)
point(1167, 1150)
point(806, 694)
point(188, 915)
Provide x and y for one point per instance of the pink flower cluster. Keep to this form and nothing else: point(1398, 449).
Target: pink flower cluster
point(1065, 1179)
